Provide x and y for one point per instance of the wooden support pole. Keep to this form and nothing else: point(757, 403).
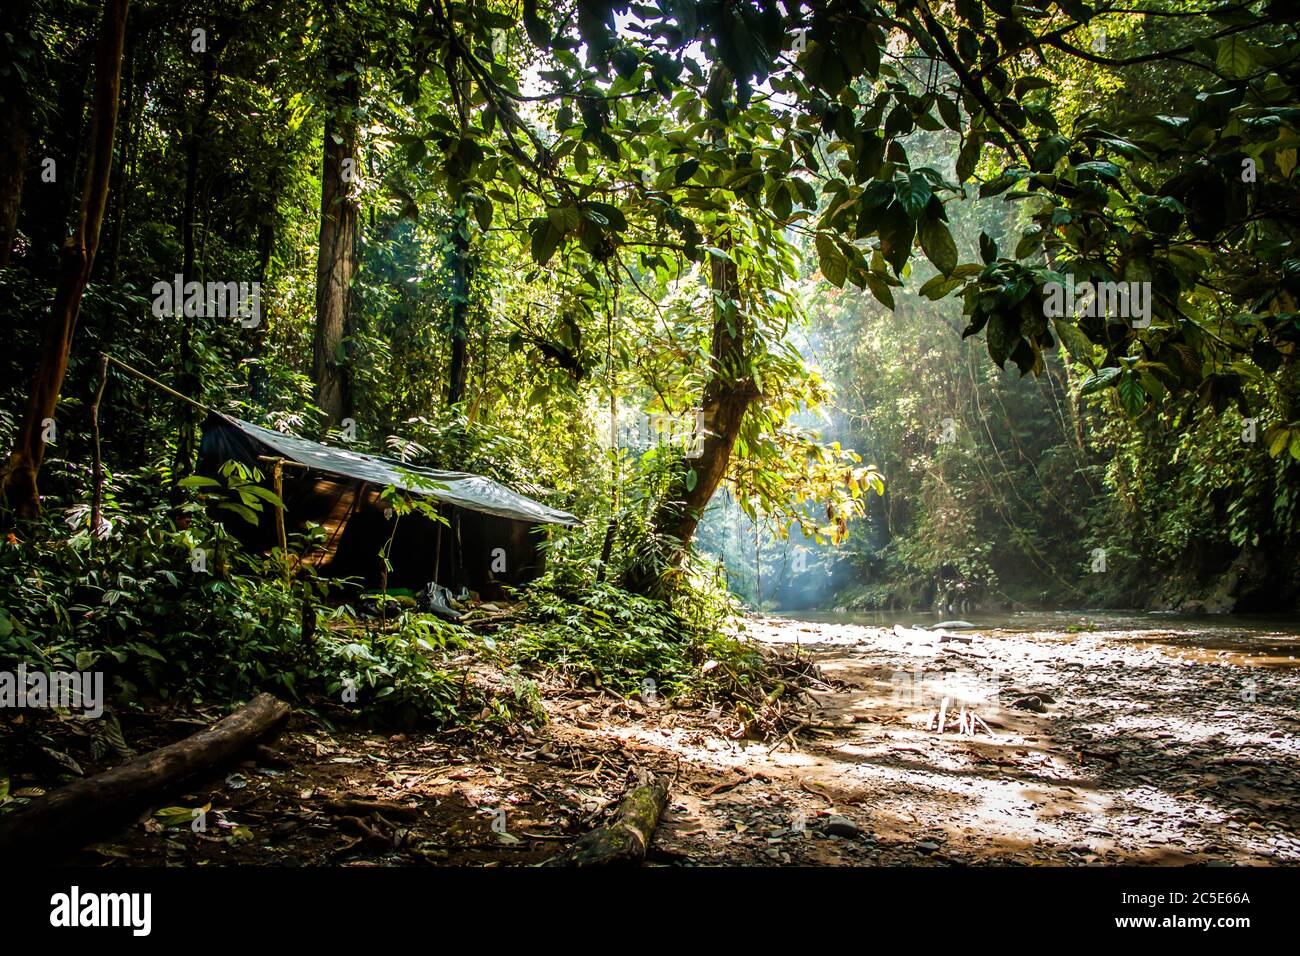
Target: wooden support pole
point(437, 551)
point(155, 383)
point(277, 486)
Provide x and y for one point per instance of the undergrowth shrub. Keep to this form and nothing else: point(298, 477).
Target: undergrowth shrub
point(596, 631)
point(188, 614)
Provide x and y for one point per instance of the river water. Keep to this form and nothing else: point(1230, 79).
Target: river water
point(1250, 640)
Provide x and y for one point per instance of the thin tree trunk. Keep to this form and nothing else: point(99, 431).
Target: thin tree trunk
point(189, 382)
point(121, 169)
point(336, 267)
point(97, 493)
point(458, 328)
point(131, 157)
point(51, 201)
point(16, 122)
point(76, 258)
point(265, 248)
point(482, 392)
point(14, 118)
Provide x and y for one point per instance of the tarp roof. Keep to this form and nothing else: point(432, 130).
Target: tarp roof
point(473, 492)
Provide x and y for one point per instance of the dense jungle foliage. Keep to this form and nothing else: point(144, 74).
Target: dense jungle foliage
point(784, 272)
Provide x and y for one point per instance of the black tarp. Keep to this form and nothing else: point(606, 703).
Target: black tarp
point(491, 537)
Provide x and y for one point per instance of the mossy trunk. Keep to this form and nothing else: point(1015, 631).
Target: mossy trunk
point(728, 394)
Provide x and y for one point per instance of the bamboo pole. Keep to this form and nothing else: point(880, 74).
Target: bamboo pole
point(153, 381)
point(277, 486)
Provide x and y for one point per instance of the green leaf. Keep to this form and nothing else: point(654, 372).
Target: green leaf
point(1131, 393)
point(988, 247)
point(685, 171)
point(1234, 57)
point(1001, 336)
point(264, 493)
point(938, 244)
point(834, 264)
point(247, 514)
point(564, 218)
point(896, 230)
point(483, 212)
point(605, 215)
point(1030, 242)
point(625, 61)
point(1101, 169)
point(180, 816)
point(938, 287)
point(1000, 184)
point(545, 241)
point(1049, 152)
point(1278, 438)
point(780, 200)
point(969, 156)
point(1079, 345)
point(968, 45)
point(914, 193)
point(144, 650)
point(949, 111)
point(1102, 380)
point(880, 289)
point(536, 27)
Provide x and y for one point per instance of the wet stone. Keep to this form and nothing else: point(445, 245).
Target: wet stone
point(841, 826)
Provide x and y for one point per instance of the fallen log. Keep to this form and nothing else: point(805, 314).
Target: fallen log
point(73, 816)
point(625, 840)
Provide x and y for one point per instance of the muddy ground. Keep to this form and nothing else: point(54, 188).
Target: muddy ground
point(1116, 751)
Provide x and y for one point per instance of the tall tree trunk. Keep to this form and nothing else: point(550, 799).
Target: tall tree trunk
point(265, 248)
point(13, 165)
point(189, 382)
point(727, 396)
point(51, 202)
point(14, 118)
point(336, 264)
point(76, 258)
point(458, 327)
point(258, 380)
point(121, 169)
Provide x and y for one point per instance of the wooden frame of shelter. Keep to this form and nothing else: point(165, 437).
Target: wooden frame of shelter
point(490, 538)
